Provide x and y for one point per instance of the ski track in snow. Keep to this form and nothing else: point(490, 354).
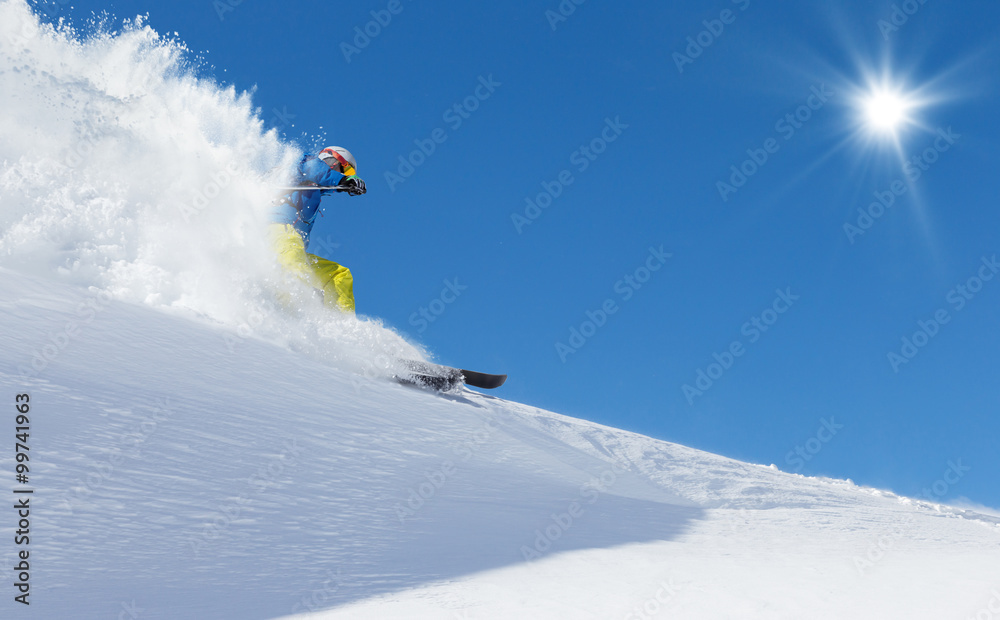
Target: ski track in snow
point(201, 483)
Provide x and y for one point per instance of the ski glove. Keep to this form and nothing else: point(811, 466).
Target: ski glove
point(355, 186)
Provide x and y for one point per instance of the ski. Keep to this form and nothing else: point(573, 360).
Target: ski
point(445, 378)
point(483, 380)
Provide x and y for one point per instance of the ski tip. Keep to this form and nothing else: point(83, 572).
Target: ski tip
point(482, 380)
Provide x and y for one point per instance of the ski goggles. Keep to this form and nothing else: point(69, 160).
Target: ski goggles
point(345, 166)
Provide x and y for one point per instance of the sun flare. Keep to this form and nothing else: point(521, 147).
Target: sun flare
point(886, 112)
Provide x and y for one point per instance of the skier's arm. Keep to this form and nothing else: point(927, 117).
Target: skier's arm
point(319, 173)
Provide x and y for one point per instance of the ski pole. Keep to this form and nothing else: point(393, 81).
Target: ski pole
point(308, 188)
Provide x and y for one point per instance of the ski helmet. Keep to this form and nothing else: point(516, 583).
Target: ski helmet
point(339, 158)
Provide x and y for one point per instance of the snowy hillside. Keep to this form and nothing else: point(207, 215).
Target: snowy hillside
point(176, 476)
point(207, 442)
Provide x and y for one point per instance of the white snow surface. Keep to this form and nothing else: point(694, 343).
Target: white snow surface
point(180, 477)
point(208, 442)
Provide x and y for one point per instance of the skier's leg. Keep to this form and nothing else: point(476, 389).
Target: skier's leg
point(291, 251)
point(336, 281)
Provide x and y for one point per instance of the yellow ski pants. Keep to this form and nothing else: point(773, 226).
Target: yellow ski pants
point(334, 280)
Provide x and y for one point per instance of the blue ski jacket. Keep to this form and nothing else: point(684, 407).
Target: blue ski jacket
point(300, 209)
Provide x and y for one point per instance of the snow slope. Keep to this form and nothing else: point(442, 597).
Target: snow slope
point(186, 479)
point(206, 442)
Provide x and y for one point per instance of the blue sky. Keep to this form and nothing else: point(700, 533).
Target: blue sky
point(535, 87)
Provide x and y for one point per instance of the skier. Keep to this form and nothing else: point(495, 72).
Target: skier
point(293, 217)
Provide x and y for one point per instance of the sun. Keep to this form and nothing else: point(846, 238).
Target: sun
point(886, 109)
point(886, 112)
